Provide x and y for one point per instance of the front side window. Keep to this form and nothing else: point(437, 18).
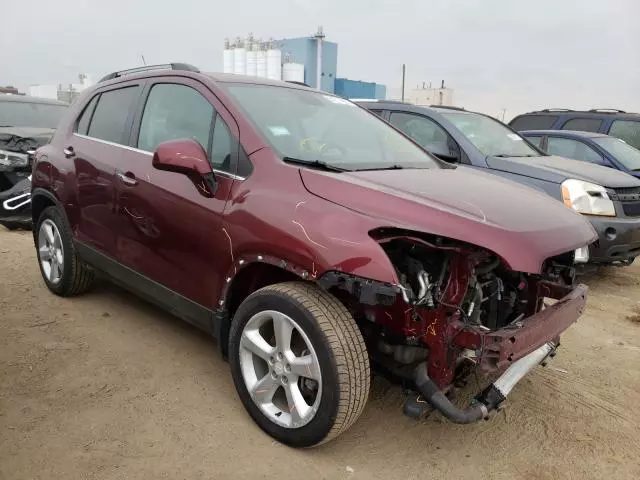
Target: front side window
point(424, 132)
point(627, 130)
point(30, 114)
point(568, 148)
point(173, 112)
point(583, 124)
point(533, 122)
point(109, 119)
point(313, 126)
point(623, 152)
point(490, 136)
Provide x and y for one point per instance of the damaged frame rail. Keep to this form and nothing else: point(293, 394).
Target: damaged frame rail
point(520, 349)
point(513, 350)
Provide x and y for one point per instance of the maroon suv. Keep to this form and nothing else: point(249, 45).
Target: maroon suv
point(313, 240)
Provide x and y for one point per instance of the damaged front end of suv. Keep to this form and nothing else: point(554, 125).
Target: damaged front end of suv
point(15, 186)
point(456, 310)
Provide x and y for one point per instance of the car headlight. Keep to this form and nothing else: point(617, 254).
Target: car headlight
point(13, 159)
point(587, 198)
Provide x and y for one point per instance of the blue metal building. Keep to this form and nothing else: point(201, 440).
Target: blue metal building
point(359, 89)
point(305, 50)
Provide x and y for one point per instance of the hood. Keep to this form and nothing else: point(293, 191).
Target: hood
point(21, 139)
point(521, 225)
point(558, 169)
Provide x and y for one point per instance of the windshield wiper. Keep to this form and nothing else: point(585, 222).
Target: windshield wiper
point(2, 126)
point(314, 163)
point(390, 167)
point(506, 155)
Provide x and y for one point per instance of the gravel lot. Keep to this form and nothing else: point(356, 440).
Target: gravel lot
point(105, 386)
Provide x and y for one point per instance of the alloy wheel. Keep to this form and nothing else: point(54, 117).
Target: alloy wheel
point(50, 251)
point(280, 369)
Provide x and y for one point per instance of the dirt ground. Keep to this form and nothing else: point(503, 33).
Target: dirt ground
point(105, 386)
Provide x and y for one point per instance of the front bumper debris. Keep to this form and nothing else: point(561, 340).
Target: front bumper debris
point(15, 205)
point(490, 399)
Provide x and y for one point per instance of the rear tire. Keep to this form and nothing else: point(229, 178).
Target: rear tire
point(329, 346)
point(63, 271)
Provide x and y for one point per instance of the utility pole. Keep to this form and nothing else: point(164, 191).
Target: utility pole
point(403, 75)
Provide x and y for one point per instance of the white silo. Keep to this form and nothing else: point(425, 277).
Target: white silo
point(261, 70)
point(252, 59)
point(228, 62)
point(293, 72)
point(274, 62)
point(240, 58)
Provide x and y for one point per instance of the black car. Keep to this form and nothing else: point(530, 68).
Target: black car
point(26, 123)
point(616, 123)
point(610, 199)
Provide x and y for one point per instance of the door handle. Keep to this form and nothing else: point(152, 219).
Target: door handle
point(127, 178)
point(69, 152)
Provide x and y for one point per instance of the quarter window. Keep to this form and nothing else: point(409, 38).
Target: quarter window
point(627, 130)
point(583, 124)
point(174, 112)
point(83, 122)
point(537, 141)
point(565, 147)
point(222, 146)
point(425, 132)
point(109, 121)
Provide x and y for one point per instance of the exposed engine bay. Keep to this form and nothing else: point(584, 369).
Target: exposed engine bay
point(461, 310)
point(495, 296)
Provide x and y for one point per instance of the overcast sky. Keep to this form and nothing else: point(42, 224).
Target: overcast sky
point(495, 54)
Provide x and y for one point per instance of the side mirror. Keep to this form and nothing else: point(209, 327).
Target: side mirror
point(187, 157)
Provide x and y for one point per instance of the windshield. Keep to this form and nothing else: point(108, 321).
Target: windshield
point(315, 127)
point(623, 152)
point(490, 136)
point(30, 114)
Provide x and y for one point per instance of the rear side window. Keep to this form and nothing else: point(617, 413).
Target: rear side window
point(377, 112)
point(537, 141)
point(82, 126)
point(627, 130)
point(568, 148)
point(583, 124)
point(174, 112)
point(533, 122)
point(110, 117)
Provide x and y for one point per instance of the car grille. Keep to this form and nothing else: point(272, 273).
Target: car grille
point(630, 200)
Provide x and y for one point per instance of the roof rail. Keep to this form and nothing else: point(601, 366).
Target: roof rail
point(556, 110)
point(165, 66)
point(606, 110)
point(448, 107)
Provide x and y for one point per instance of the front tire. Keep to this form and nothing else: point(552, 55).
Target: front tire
point(63, 271)
point(299, 363)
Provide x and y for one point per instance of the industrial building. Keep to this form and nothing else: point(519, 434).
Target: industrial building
point(67, 93)
point(311, 60)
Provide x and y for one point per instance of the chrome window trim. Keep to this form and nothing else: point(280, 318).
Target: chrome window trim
point(133, 149)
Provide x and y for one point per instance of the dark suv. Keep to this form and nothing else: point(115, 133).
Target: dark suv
point(617, 123)
point(310, 238)
point(608, 198)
